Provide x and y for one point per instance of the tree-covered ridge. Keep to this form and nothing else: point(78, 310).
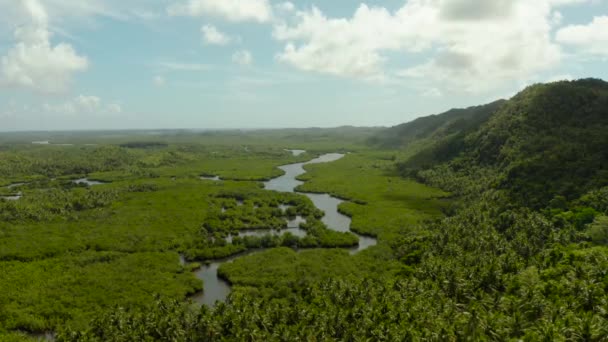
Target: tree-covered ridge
point(549, 140)
point(452, 122)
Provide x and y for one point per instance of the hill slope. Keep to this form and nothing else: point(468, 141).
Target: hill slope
point(549, 140)
point(434, 126)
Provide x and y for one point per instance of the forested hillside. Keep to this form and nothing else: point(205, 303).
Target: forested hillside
point(549, 140)
point(454, 121)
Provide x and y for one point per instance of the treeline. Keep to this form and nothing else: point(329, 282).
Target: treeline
point(144, 144)
point(53, 161)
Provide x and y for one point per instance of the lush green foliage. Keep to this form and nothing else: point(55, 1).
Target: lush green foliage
point(41, 295)
point(445, 128)
point(379, 201)
point(598, 230)
point(68, 251)
point(549, 140)
point(520, 254)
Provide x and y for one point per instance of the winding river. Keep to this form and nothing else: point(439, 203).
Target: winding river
point(218, 289)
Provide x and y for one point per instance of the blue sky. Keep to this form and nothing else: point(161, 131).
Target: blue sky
point(93, 64)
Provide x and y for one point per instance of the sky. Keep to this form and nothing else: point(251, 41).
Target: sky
point(217, 64)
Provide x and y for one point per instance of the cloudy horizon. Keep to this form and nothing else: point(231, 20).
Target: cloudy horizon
point(207, 64)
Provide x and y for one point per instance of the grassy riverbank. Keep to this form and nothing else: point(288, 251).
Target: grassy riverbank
point(379, 201)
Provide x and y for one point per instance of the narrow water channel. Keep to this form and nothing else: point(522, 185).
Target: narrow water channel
point(217, 289)
point(15, 196)
point(88, 182)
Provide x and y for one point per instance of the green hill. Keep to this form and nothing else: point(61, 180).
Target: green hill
point(549, 140)
point(454, 121)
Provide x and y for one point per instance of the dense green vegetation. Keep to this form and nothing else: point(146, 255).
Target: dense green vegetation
point(450, 125)
point(38, 295)
point(506, 239)
point(380, 202)
point(247, 209)
point(547, 141)
point(70, 251)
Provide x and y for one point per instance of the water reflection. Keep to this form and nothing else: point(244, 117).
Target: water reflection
point(211, 178)
point(296, 153)
point(87, 182)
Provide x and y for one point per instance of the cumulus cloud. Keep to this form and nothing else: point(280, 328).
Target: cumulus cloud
point(232, 10)
point(470, 43)
point(242, 57)
point(83, 105)
point(212, 36)
point(346, 47)
point(569, 2)
point(476, 10)
point(591, 38)
point(34, 62)
point(480, 55)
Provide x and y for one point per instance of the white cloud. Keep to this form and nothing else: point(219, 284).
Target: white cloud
point(591, 38)
point(159, 81)
point(83, 105)
point(242, 57)
point(346, 47)
point(478, 46)
point(33, 62)
point(212, 36)
point(568, 2)
point(475, 9)
point(232, 10)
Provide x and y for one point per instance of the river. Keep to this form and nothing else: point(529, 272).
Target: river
point(216, 289)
